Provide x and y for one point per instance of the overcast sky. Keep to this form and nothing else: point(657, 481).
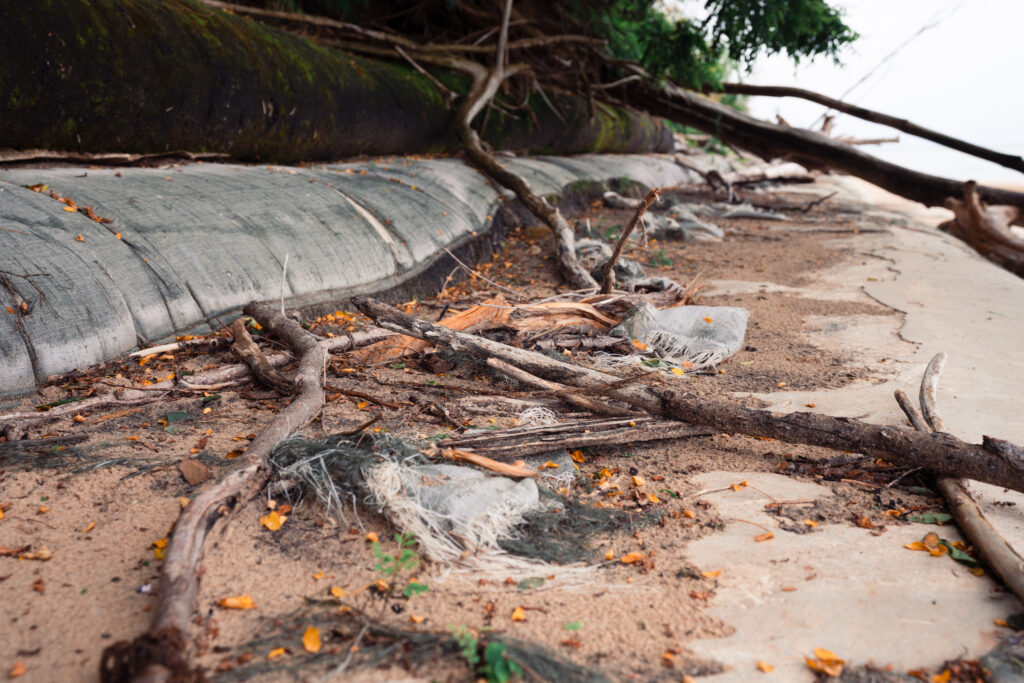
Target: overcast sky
point(963, 77)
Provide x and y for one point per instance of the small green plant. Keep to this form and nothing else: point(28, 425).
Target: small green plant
point(496, 666)
point(612, 233)
point(407, 559)
point(659, 258)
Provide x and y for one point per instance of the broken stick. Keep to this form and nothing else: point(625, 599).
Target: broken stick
point(993, 461)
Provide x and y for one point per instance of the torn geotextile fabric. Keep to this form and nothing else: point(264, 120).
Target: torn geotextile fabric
point(697, 335)
point(504, 524)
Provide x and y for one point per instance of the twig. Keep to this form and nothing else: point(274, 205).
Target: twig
point(448, 93)
point(815, 202)
point(485, 462)
point(38, 443)
point(363, 395)
point(560, 391)
point(355, 430)
point(608, 270)
point(474, 273)
point(246, 349)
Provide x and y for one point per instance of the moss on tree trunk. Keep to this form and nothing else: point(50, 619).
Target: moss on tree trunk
point(150, 76)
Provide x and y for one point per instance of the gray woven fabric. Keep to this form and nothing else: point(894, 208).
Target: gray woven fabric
point(200, 241)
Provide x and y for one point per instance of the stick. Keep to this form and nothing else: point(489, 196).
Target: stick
point(997, 553)
point(246, 349)
point(993, 461)
point(212, 344)
point(929, 387)
point(487, 463)
point(6, 446)
point(158, 655)
point(608, 271)
point(575, 399)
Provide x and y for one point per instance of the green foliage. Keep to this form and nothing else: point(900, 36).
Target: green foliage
point(406, 559)
point(467, 641)
point(697, 53)
point(496, 666)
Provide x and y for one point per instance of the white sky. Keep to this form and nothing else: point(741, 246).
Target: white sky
point(963, 77)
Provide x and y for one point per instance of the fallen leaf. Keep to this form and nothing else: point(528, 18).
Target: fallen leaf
point(678, 371)
point(372, 537)
point(319, 575)
point(518, 614)
point(942, 677)
point(416, 619)
point(668, 659)
point(707, 319)
point(183, 502)
point(653, 498)
point(89, 527)
point(610, 555)
point(826, 662)
point(10, 310)
point(577, 456)
point(276, 652)
point(19, 669)
point(638, 480)
point(739, 485)
point(70, 209)
point(238, 602)
point(710, 574)
point(42, 555)
point(764, 537)
point(1001, 622)
point(12, 552)
point(337, 591)
point(194, 472)
point(765, 667)
point(689, 514)
point(311, 639)
point(273, 520)
point(810, 522)
point(631, 558)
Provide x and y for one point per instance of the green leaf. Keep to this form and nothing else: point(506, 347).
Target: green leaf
point(530, 583)
point(921, 490)
point(668, 493)
point(397, 366)
point(415, 588)
point(931, 518)
point(573, 626)
point(46, 406)
point(652, 363)
point(171, 418)
point(959, 555)
point(211, 398)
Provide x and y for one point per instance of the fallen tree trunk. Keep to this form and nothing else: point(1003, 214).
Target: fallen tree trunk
point(994, 461)
point(158, 654)
point(807, 148)
point(987, 228)
point(1007, 160)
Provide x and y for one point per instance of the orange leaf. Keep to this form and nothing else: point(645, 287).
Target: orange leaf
point(238, 602)
point(276, 652)
point(678, 371)
point(764, 537)
point(653, 498)
point(372, 537)
point(10, 310)
point(632, 557)
point(638, 480)
point(19, 669)
point(707, 319)
point(765, 667)
point(710, 574)
point(577, 456)
point(69, 209)
point(810, 522)
point(89, 527)
point(416, 619)
point(337, 591)
point(825, 661)
point(273, 520)
point(311, 639)
point(739, 485)
point(610, 555)
point(689, 514)
point(518, 614)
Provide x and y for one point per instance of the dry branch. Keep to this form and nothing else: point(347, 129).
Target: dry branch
point(986, 229)
point(997, 553)
point(158, 655)
point(246, 349)
point(608, 270)
point(994, 461)
point(1007, 160)
point(516, 442)
point(575, 399)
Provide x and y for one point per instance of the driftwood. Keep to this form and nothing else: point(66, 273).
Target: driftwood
point(158, 654)
point(1007, 160)
point(997, 553)
point(513, 443)
point(204, 344)
point(986, 229)
point(994, 461)
point(246, 349)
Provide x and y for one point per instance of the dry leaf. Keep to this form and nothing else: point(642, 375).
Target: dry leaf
point(689, 514)
point(632, 557)
point(238, 602)
point(711, 574)
point(41, 555)
point(276, 652)
point(311, 639)
point(337, 591)
point(653, 498)
point(943, 677)
point(610, 555)
point(372, 537)
point(765, 667)
point(577, 456)
point(739, 485)
point(319, 575)
point(89, 527)
point(764, 537)
point(638, 480)
point(678, 371)
point(518, 614)
point(273, 520)
point(826, 662)
point(416, 619)
point(19, 669)
point(12, 552)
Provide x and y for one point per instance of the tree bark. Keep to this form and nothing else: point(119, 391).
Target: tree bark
point(1007, 160)
point(986, 229)
point(994, 461)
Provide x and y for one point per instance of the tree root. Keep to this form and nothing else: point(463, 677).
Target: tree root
point(993, 461)
point(986, 229)
point(159, 654)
